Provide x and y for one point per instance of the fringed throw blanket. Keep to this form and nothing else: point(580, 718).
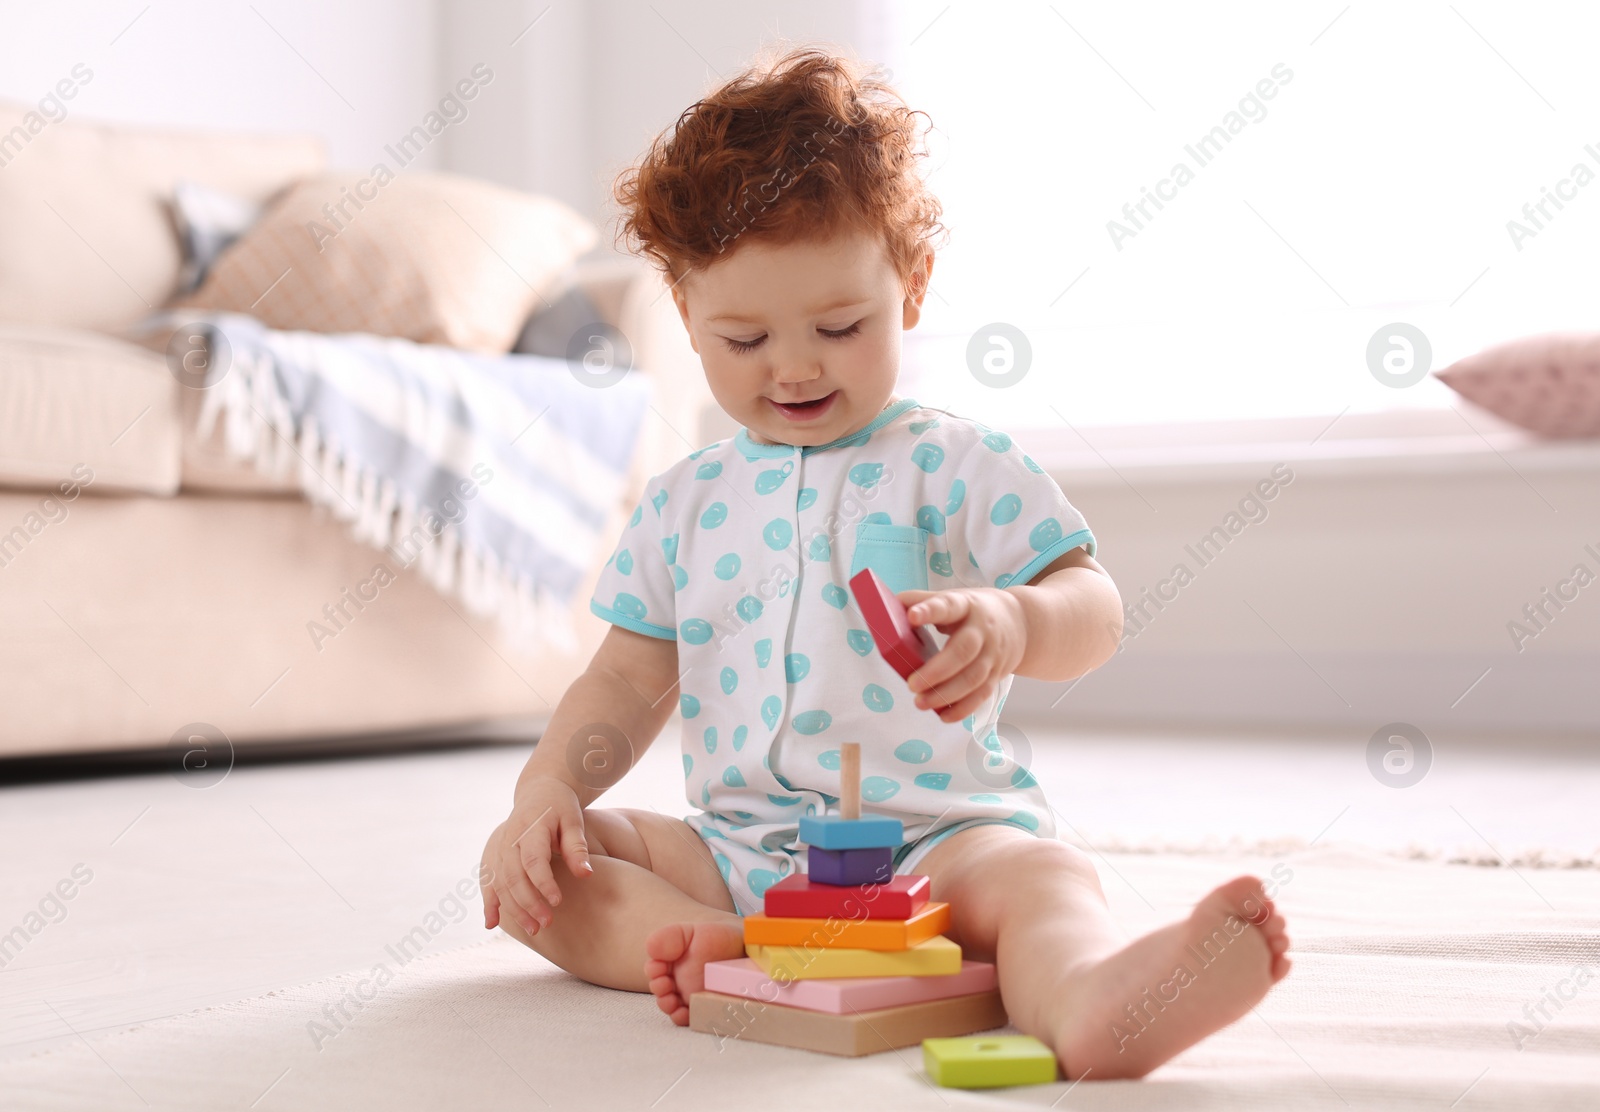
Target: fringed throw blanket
point(492, 476)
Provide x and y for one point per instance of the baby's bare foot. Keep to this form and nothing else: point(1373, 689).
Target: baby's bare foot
point(678, 955)
point(1125, 1014)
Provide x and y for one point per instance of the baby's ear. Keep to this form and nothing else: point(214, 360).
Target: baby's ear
point(682, 302)
point(917, 290)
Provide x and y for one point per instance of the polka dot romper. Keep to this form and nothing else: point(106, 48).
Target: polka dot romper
point(743, 553)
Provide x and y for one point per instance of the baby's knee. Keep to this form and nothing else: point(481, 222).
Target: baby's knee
point(1021, 870)
point(613, 833)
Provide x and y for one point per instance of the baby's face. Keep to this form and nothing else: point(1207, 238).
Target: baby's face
point(806, 322)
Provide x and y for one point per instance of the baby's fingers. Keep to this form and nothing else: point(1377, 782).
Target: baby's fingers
point(491, 906)
point(939, 608)
point(574, 849)
point(536, 848)
point(959, 652)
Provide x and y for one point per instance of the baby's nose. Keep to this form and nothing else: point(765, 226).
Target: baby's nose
point(797, 370)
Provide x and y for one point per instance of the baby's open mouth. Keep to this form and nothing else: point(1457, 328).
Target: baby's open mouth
point(804, 410)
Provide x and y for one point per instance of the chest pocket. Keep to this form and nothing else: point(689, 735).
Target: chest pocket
point(897, 553)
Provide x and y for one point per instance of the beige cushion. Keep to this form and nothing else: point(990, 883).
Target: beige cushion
point(71, 399)
point(1547, 384)
point(434, 258)
point(88, 238)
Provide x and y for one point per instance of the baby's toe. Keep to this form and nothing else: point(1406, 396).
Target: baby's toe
point(669, 943)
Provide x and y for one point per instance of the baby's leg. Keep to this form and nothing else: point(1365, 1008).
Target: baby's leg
point(1107, 1006)
point(650, 872)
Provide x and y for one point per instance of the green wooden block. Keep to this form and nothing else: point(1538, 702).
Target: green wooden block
point(988, 1061)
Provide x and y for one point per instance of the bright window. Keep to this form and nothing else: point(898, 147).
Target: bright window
point(1374, 186)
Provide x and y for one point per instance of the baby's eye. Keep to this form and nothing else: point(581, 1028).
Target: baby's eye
point(743, 345)
point(841, 333)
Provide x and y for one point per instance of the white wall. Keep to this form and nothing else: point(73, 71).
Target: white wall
point(360, 72)
point(1380, 599)
point(591, 84)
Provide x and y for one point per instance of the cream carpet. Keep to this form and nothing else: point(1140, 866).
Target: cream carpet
point(204, 963)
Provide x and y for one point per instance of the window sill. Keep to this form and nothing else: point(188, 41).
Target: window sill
point(1464, 441)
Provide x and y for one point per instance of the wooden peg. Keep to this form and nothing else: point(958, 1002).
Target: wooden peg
point(850, 780)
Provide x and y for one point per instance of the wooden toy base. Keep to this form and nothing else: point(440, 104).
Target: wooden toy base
point(737, 1017)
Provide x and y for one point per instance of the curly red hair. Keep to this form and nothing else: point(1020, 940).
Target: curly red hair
point(805, 146)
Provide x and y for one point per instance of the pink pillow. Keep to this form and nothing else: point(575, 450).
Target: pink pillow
point(1547, 384)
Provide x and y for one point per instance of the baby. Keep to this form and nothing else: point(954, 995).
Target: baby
point(787, 212)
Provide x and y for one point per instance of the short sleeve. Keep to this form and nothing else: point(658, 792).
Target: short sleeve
point(1011, 519)
point(636, 587)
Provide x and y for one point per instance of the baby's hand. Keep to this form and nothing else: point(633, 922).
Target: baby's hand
point(545, 822)
point(987, 635)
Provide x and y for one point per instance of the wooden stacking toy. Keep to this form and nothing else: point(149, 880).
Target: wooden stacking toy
point(848, 958)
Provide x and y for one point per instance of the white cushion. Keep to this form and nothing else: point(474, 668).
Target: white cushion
point(89, 240)
point(71, 399)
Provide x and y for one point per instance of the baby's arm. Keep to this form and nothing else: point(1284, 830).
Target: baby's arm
point(1064, 622)
point(603, 724)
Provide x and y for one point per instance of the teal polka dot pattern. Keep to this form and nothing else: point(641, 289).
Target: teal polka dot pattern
point(796, 666)
point(778, 533)
point(914, 751)
point(1045, 534)
point(812, 721)
point(745, 565)
point(629, 605)
point(760, 880)
point(876, 789)
point(772, 478)
point(866, 475)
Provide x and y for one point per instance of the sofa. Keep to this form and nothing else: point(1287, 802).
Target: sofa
point(153, 590)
